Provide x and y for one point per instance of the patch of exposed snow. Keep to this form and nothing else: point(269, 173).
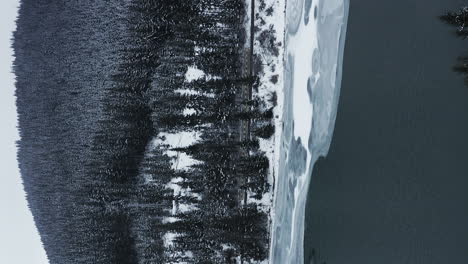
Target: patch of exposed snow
point(193, 74)
point(180, 139)
point(177, 190)
point(168, 239)
point(169, 219)
point(185, 208)
point(189, 111)
point(180, 160)
point(193, 92)
point(198, 50)
point(148, 178)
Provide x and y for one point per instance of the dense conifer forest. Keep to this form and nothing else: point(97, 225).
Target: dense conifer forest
point(102, 86)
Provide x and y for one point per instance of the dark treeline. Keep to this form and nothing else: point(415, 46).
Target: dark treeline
point(459, 20)
point(97, 86)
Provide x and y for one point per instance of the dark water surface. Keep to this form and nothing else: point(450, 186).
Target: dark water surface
point(394, 187)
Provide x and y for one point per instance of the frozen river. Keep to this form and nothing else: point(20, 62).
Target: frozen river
point(315, 37)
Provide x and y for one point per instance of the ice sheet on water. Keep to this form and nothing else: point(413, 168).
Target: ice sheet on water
point(312, 80)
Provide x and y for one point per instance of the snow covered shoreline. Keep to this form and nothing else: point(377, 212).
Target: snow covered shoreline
point(269, 52)
point(315, 34)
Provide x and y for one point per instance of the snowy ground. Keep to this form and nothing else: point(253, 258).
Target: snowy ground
point(301, 67)
point(268, 47)
point(179, 161)
point(315, 32)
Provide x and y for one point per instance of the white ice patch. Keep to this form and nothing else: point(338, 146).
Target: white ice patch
point(305, 42)
point(302, 41)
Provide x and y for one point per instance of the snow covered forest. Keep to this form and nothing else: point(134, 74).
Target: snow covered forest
point(143, 130)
